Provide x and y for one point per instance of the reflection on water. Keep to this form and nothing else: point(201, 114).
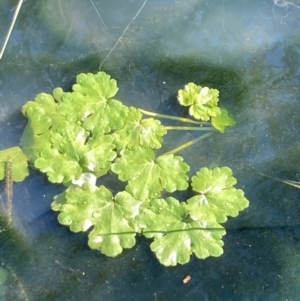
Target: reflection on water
point(249, 50)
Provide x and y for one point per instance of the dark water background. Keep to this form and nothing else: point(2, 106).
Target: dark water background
point(250, 51)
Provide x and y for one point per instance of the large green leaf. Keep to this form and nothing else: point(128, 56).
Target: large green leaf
point(88, 90)
point(146, 132)
point(147, 176)
point(112, 218)
point(217, 197)
point(177, 235)
point(14, 159)
point(90, 103)
point(203, 102)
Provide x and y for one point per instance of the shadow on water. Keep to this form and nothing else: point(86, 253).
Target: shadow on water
point(258, 79)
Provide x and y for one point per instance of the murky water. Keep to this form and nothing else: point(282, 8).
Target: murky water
point(250, 51)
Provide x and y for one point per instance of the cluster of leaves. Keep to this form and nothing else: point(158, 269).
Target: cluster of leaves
point(76, 137)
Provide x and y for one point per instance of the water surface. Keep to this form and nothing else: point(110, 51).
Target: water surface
point(250, 51)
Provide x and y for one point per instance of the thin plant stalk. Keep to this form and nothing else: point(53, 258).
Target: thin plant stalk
point(186, 120)
point(187, 144)
point(288, 182)
point(97, 12)
point(11, 27)
point(120, 38)
point(9, 188)
point(189, 128)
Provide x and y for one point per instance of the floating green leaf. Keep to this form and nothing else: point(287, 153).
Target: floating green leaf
point(176, 235)
point(90, 103)
point(217, 197)
point(203, 101)
point(19, 166)
point(222, 121)
point(71, 154)
point(43, 118)
point(106, 117)
point(148, 176)
point(96, 86)
point(112, 218)
point(146, 132)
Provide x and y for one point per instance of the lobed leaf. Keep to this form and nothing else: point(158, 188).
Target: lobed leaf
point(148, 176)
point(222, 121)
point(147, 132)
point(112, 218)
point(203, 101)
point(72, 153)
point(43, 118)
point(176, 235)
point(96, 86)
point(217, 197)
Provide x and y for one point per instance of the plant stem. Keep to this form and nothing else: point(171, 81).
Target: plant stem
point(11, 27)
point(187, 120)
point(120, 38)
point(188, 144)
point(8, 188)
point(189, 128)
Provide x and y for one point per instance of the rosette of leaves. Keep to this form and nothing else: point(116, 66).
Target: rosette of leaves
point(76, 137)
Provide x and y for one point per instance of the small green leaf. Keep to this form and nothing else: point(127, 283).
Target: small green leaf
point(146, 132)
point(176, 235)
point(217, 197)
point(203, 101)
point(62, 162)
point(60, 168)
point(222, 121)
point(148, 176)
point(42, 119)
point(188, 95)
point(105, 117)
point(18, 165)
point(99, 156)
point(96, 86)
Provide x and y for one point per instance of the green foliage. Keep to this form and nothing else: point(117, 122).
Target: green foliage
point(148, 176)
point(78, 136)
point(220, 122)
point(177, 235)
point(112, 218)
point(203, 102)
point(19, 166)
point(217, 197)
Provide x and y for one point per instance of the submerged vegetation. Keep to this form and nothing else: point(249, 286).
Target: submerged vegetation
point(77, 137)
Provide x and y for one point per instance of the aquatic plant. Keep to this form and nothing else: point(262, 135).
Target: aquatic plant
point(77, 137)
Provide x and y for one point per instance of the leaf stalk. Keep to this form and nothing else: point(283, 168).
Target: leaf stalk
point(188, 144)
